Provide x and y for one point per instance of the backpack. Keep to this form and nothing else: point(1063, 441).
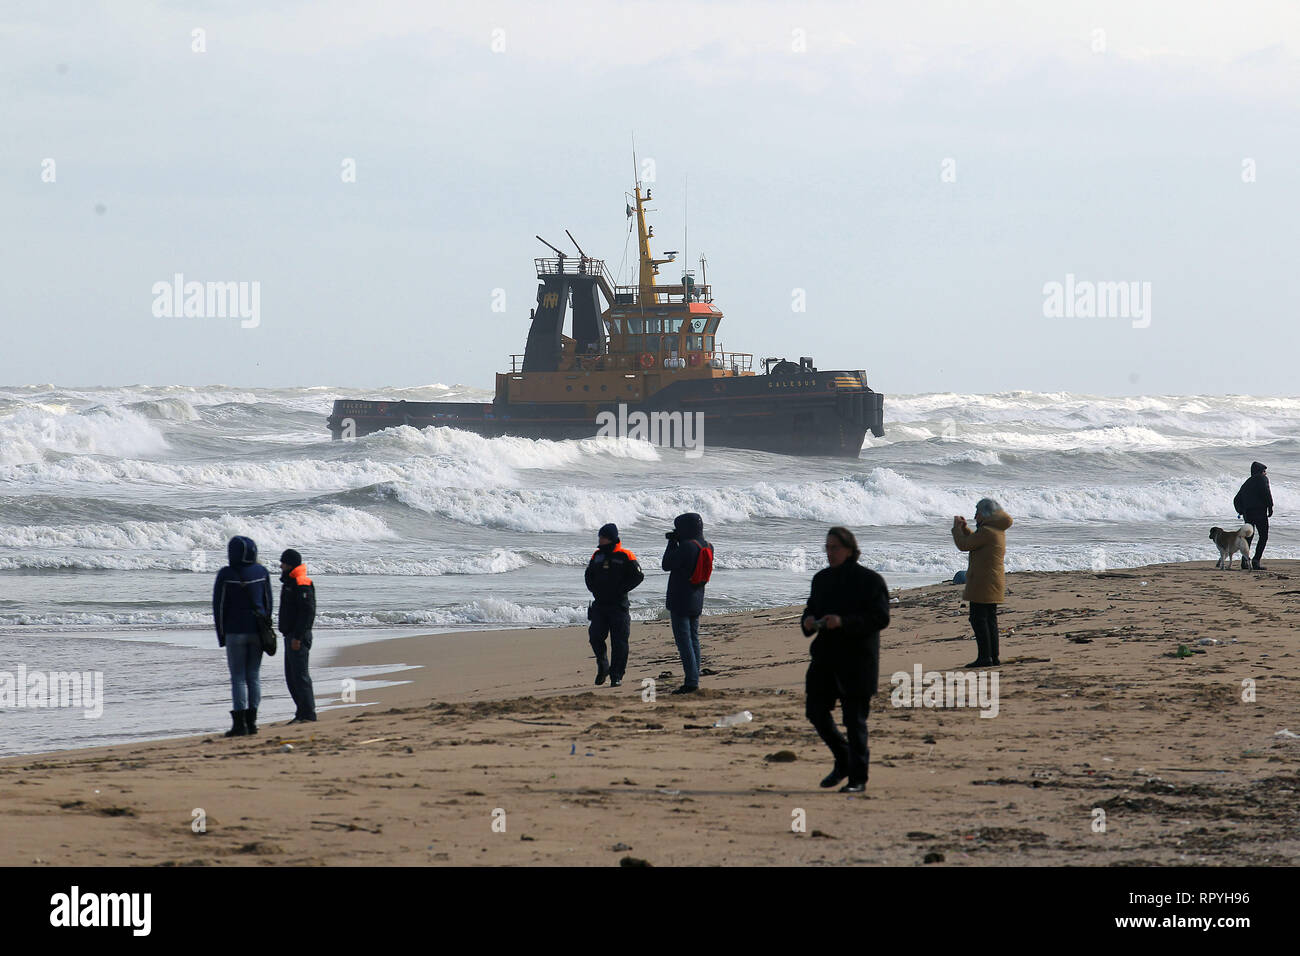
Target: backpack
point(703, 566)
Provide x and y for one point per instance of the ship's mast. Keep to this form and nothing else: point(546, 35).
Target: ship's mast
point(649, 264)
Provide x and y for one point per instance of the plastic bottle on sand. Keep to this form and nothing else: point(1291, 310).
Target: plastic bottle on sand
point(743, 717)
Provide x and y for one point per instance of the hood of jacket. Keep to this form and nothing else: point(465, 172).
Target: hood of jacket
point(241, 551)
point(1255, 469)
point(999, 520)
point(298, 575)
point(689, 526)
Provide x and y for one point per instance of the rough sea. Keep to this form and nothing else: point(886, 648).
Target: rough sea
point(116, 504)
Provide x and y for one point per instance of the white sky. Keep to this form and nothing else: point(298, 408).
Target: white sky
point(816, 170)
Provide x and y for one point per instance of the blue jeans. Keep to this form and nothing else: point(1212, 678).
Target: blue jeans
point(299, 680)
point(686, 634)
point(244, 655)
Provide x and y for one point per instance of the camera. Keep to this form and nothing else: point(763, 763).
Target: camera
point(671, 535)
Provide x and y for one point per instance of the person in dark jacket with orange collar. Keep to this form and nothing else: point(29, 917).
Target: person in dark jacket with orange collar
point(847, 609)
point(242, 590)
point(612, 572)
point(297, 614)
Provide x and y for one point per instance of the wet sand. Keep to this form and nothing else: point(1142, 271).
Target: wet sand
point(500, 750)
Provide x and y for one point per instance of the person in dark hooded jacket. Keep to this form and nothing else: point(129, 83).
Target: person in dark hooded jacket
point(847, 608)
point(685, 600)
point(1254, 502)
point(241, 588)
point(612, 572)
point(297, 613)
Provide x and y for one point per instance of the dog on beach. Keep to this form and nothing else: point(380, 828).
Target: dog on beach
point(1230, 542)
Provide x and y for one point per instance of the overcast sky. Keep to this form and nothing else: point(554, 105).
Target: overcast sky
point(917, 172)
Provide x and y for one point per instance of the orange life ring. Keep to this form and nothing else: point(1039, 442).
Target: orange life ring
point(647, 360)
point(694, 358)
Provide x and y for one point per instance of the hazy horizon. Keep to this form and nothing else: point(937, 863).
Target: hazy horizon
point(918, 178)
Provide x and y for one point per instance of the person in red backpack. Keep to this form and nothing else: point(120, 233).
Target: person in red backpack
point(688, 559)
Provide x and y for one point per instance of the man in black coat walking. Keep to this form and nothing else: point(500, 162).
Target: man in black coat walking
point(848, 607)
point(612, 572)
point(1254, 502)
point(297, 614)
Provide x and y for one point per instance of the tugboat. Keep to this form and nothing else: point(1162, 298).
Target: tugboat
point(653, 349)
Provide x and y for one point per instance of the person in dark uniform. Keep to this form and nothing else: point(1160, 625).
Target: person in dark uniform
point(1254, 502)
point(847, 609)
point(297, 614)
point(612, 572)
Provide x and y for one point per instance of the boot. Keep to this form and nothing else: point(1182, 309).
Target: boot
point(1256, 566)
point(237, 729)
point(250, 720)
point(602, 669)
point(982, 643)
point(993, 650)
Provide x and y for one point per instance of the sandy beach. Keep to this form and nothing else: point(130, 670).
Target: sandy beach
point(500, 750)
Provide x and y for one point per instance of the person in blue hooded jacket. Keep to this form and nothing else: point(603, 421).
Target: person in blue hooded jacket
point(241, 587)
point(685, 600)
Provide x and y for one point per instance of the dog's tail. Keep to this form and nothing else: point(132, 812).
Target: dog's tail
point(1247, 531)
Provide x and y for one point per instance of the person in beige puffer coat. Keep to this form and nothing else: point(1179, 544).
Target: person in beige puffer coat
point(985, 576)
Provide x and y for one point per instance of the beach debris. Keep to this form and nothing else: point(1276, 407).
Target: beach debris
point(708, 672)
point(525, 836)
point(665, 675)
point(743, 717)
point(1209, 641)
point(824, 836)
point(782, 756)
point(666, 791)
point(620, 848)
point(934, 857)
point(632, 861)
point(1285, 733)
point(920, 835)
point(1183, 651)
point(573, 749)
point(286, 749)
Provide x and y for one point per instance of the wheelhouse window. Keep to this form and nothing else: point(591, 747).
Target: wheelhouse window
point(698, 325)
point(694, 343)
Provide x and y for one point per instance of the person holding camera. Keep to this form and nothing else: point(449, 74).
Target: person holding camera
point(985, 576)
point(847, 609)
point(688, 559)
point(612, 572)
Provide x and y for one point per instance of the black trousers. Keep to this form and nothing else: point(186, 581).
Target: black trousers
point(616, 623)
point(984, 622)
point(297, 676)
point(1260, 520)
point(824, 686)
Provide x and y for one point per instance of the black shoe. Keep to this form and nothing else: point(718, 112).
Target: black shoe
point(615, 682)
point(250, 720)
point(238, 728)
point(602, 670)
point(1256, 566)
point(852, 787)
point(978, 662)
point(832, 778)
point(684, 689)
